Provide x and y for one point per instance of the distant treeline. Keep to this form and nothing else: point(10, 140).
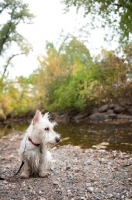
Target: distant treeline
point(68, 77)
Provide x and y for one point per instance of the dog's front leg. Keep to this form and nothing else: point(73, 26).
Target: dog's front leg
point(25, 170)
point(42, 168)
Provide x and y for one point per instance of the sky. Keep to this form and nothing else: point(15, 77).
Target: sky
point(50, 20)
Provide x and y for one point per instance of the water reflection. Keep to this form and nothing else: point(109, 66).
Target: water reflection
point(116, 136)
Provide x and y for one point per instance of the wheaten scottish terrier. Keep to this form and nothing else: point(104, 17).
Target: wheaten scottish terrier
point(33, 148)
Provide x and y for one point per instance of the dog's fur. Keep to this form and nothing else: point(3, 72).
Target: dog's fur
point(34, 151)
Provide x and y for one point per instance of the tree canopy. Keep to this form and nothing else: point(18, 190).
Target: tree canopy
point(116, 14)
point(68, 77)
point(13, 13)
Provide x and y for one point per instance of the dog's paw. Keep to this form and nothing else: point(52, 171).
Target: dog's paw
point(43, 174)
point(24, 175)
point(52, 167)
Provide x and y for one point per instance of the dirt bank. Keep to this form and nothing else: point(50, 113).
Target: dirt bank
point(78, 174)
point(117, 111)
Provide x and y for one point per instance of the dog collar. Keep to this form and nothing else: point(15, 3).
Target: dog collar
point(29, 139)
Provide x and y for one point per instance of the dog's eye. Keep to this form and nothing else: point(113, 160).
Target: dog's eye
point(46, 129)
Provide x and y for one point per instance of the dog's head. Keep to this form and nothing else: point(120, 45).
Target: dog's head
point(44, 129)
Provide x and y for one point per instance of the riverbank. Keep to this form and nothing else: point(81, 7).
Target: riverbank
point(112, 112)
point(121, 111)
point(85, 174)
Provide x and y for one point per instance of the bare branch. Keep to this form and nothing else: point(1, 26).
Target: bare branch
point(122, 6)
point(8, 62)
point(4, 8)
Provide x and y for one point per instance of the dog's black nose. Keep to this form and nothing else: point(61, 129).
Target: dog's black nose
point(57, 139)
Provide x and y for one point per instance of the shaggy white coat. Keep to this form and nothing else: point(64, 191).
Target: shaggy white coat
point(37, 158)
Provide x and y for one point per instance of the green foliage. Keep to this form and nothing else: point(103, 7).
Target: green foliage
point(16, 12)
point(73, 79)
point(63, 72)
point(14, 96)
point(84, 82)
point(111, 69)
point(13, 13)
point(69, 78)
point(116, 14)
point(73, 51)
point(71, 93)
point(5, 105)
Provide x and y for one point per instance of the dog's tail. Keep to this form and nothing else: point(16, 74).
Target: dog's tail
point(22, 163)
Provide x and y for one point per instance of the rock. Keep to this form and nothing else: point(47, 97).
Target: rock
point(68, 167)
point(83, 198)
point(111, 116)
point(81, 116)
point(118, 110)
point(126, 102)
point(130, 111)
point(97, 116)
point(123, 117)
point(56, 182)
point(62, 118)
point(95, 110)
point(130, 117)
point(90, 189)
point(103, 108)
point(109, 111)
point(106, 176)
point(113, 105)
point(88, 184)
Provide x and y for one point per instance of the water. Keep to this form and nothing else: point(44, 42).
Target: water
point(116, 136)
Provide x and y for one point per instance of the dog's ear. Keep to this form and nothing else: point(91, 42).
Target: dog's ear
point(54, 124)
point(37, 117)
point(46, 116)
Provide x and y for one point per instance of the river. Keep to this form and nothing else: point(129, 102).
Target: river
point(91, 135)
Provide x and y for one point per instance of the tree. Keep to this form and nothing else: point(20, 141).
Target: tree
point(13, 13)
point(73, 49)
point(64, 73)
point(112, 70)
point(116, 14)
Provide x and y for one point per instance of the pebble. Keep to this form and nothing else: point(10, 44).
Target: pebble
point(90, 189)
point(87, 175)
point(68, 167)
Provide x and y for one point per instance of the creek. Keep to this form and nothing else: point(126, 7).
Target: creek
point(91, 135)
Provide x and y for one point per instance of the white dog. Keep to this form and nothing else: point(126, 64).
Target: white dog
point(33, 149)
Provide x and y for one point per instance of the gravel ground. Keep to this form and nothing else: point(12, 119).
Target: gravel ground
point(79, 174)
